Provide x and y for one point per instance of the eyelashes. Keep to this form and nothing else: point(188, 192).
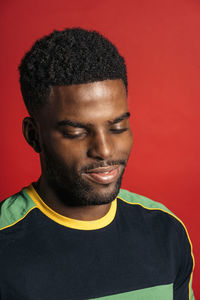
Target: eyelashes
point(119, 130)
point(84, 134)
point(73, 136)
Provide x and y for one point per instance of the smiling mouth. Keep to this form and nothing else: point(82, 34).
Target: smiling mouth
point(104, 175)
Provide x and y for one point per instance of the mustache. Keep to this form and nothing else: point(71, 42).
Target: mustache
point(103, 164)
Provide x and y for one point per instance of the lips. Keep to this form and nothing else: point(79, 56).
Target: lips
point(103, 175)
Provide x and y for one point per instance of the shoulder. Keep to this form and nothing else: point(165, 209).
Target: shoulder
point(165, 227)
point(132, 198)
point(153, 211)
point(14, 209)
point(155, 216)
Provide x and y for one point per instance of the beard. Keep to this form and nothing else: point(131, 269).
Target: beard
point(71, 188)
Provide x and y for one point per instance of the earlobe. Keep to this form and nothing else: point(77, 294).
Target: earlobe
point(30, 132)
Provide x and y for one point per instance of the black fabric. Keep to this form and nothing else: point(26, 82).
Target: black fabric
point(42, 260)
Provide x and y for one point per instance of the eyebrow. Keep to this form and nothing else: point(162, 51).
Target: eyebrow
point(72, 124)
point(86, 125)
point(126, 115)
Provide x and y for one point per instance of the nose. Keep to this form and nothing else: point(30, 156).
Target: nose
point(100, 146)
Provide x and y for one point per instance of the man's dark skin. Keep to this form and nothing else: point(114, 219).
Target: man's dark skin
point(82, 126)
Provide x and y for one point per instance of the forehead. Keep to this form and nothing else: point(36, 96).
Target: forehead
point(102, 99)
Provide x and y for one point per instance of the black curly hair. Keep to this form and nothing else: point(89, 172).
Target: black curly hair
point(71, 56)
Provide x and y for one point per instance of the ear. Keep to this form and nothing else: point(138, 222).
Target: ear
point(30, 132)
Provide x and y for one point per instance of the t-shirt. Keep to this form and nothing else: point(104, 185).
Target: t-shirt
point(139, 250)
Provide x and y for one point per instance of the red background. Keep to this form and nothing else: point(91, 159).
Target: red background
point(161, 43)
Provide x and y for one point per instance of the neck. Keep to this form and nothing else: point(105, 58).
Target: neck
point(83, 213)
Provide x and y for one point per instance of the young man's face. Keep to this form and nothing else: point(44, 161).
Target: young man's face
point(85, 141)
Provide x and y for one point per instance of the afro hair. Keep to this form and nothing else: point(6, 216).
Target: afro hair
point(71, 56)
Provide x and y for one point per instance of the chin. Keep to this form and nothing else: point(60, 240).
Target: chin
point(80, 192)
point(100, 195)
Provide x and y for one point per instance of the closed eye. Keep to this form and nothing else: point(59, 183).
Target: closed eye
point(118, 130)
point(74, 135)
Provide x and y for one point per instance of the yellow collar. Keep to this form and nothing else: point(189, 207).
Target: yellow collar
point(68, 222)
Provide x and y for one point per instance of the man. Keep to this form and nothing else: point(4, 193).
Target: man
point(74, 234)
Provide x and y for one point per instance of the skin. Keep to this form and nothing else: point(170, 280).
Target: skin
point(83, 135)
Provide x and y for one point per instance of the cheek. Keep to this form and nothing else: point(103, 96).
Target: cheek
point(125, 143)
point(130, 140)
point(68, 152)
